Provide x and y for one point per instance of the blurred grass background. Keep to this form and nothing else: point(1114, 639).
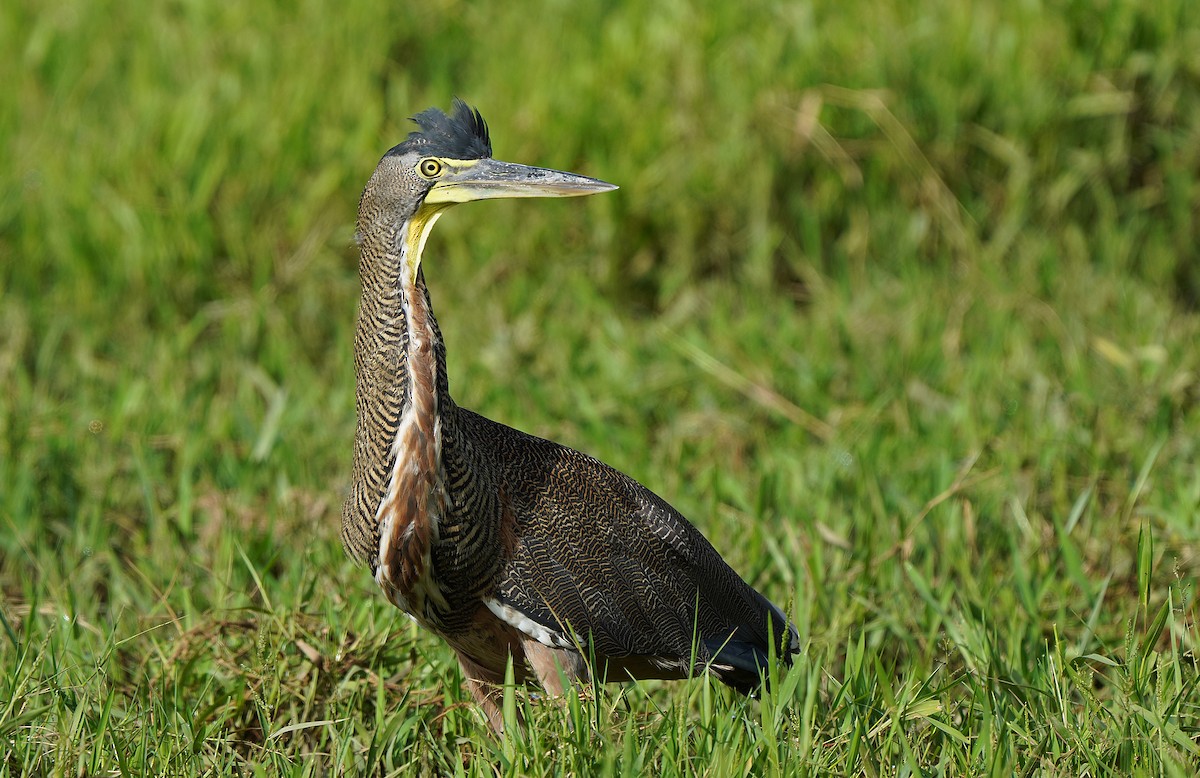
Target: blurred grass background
point(897, 301)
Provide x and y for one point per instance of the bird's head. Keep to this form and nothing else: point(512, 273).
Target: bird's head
point(445, 162)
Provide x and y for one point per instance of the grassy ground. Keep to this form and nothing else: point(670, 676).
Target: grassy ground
point(898, 301)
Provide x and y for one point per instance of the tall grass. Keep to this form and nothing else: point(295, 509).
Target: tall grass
point(897, 301)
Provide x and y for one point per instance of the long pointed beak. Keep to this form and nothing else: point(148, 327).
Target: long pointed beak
point(490, 179)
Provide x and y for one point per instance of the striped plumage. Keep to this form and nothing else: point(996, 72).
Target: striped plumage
point(501, 542)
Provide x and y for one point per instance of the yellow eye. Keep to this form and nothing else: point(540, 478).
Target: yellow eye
point(430, 167)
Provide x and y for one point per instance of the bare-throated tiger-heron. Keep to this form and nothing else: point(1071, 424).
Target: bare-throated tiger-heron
point(505, 544)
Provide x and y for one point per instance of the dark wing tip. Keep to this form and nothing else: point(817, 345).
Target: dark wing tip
point(743, 665)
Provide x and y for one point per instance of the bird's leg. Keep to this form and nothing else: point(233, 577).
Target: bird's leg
point(555, 668)
point(487, 687)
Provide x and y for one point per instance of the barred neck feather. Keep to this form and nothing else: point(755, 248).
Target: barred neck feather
point(402, 400)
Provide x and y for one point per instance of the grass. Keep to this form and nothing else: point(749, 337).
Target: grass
point(898, 302)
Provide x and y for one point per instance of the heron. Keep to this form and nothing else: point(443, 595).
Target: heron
point(515, 550)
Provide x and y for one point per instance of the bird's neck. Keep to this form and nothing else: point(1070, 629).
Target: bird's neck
point(403, 405)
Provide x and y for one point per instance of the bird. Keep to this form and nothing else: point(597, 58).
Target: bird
point(512, 548)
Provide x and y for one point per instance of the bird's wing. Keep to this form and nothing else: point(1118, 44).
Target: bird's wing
point(604, 564)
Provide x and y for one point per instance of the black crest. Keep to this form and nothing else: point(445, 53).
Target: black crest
point(463, 134)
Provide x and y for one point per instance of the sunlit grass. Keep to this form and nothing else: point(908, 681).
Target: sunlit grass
point(898, 302)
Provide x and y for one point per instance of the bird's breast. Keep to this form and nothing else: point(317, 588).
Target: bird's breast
point(406, 572)
point(409, 515)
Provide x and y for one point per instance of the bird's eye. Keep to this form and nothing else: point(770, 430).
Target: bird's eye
point(430, 167)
